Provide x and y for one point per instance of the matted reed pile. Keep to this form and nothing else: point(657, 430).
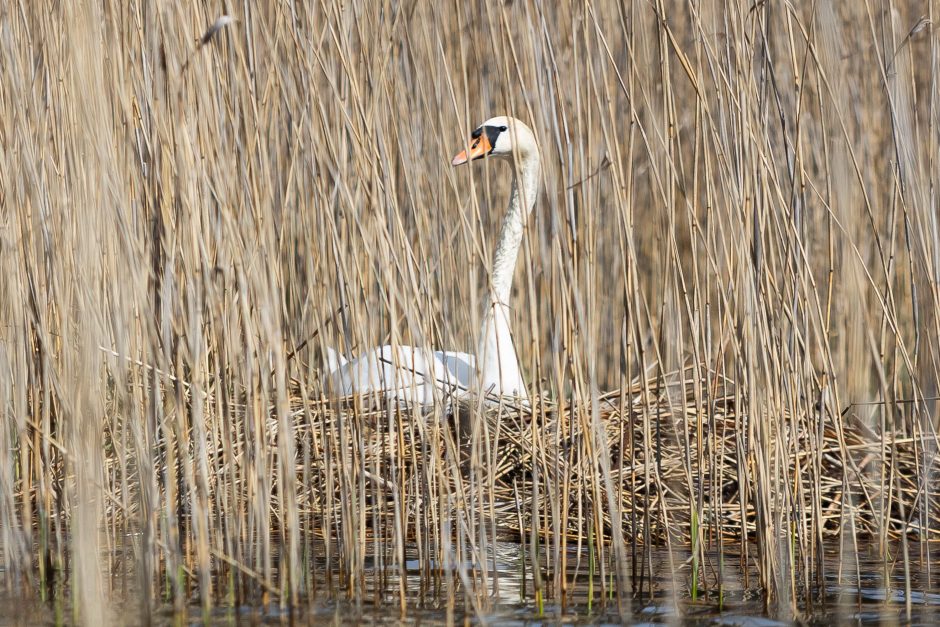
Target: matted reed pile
point(738, 228)
point(668, 457)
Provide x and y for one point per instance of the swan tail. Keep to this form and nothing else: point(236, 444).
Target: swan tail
point(334, 360)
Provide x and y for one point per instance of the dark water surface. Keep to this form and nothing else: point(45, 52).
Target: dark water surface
point(843, 599)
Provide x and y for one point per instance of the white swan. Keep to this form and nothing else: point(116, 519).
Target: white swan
point(417, 375)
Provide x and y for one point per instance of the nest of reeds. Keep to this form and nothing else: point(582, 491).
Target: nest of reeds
point(675, 465)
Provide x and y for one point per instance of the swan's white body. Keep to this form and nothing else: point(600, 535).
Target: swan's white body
point(419, 375)
point(403, 373)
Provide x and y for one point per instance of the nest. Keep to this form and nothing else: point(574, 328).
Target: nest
point(666, 465)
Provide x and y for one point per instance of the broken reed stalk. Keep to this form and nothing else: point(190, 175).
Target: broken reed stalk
point(737, 234)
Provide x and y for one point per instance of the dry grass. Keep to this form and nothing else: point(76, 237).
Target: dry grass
point(728, 300)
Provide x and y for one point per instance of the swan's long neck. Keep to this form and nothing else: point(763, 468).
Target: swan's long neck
point(496, 356)
point(525, 184)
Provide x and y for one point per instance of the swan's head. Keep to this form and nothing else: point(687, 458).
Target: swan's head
point(501, 136)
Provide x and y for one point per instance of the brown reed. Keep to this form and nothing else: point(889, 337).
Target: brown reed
point(727, 308)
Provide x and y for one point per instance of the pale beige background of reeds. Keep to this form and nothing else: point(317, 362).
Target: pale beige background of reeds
point(749, 189)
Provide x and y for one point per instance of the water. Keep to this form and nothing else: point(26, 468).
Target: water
point(665, 599)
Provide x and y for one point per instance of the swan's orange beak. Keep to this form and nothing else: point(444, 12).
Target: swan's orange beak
point(479, 148)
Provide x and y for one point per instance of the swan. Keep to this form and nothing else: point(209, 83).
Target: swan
point(417, 375)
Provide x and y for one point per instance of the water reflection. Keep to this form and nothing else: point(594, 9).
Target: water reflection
point(505, 595)
point(665, 598)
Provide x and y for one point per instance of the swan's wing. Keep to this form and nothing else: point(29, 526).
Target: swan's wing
point(334, 360)
point(381, 368)
point(458, 368)
point(401, 373)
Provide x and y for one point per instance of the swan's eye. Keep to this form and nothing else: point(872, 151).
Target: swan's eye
point(475, 143)
point(503, 128)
